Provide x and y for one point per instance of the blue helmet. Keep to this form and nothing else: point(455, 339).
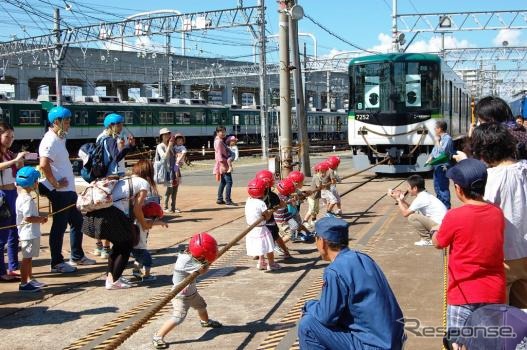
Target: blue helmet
point(58, 112)
point(27, 176)
point(113, 118)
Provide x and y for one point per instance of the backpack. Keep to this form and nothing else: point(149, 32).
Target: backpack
point(98, 195)
point(92, 155)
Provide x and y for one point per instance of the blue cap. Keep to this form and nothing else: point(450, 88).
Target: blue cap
point(470, 174)
point(506, 318)
point(332, 229)
point(27, 176)
point(113, 118)
point(58, 112)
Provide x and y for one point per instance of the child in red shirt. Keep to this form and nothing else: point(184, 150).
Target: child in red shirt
point(474, 233)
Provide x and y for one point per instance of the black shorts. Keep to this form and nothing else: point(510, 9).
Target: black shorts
point(275, 231)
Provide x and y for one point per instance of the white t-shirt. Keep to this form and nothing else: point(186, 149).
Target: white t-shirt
point(26, 207)
point(507, 188)
point(121, 194)
point(54, 148)
point(254, 208)
point(429, 206)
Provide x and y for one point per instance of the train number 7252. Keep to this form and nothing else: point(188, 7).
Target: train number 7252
point(362, 116)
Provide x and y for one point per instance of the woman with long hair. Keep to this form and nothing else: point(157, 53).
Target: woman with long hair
point(9, 164)
point(165, 157)
point(116, 223)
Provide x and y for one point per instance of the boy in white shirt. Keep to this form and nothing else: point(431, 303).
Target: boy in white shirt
point(28, 220)
point(425, 213)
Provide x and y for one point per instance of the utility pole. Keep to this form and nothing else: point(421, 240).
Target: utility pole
point(57, 59)
point(264, 118)
point(299, 96)
point(286, 156)
point(170, 69)
point(395, 45)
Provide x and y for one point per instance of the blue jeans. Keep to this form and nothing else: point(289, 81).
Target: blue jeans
point(9, 236)
point(441, 185)
point(71, 216)
point(225, 183)
point(143, 257)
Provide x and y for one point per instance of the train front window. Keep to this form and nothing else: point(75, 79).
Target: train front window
point(415, 85)
point(371, 83)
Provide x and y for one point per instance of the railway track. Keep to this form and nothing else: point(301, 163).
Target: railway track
point(113, 333)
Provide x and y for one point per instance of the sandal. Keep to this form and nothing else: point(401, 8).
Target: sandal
point(210, 324)
point(158, 342)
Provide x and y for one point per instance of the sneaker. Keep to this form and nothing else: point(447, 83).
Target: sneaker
point(137, 274)
point(149, 278)
point(37, 283)
point(28, 287)
point(424, 243)
point(158, 342)
point(83, 261)
point(278, 250)
point(176, 210)
point(119, 284)
point(220, 201)
point(63, 268)
point(296, 238)
point(273, 266)
point(210, 324)
point(261, 265)
point(231, 204)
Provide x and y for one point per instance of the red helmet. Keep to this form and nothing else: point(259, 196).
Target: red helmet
point(256, 188)
point(152, 210)
point(267, 177)
point(322, 167)
point(333, 162)
point(285, 187)
point(203, 246)
point(296, 176)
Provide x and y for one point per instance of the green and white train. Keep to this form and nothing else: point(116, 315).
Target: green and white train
point(395, 100)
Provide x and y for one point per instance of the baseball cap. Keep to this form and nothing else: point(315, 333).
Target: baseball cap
point(332, 229)
point(510, 321)
point(470, 173)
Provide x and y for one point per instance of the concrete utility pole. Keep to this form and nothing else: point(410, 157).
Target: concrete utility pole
point(299, 97)
point(57, 59)
point(170, 69)
point(395, 45)
point(286, 156)
point(264, 118)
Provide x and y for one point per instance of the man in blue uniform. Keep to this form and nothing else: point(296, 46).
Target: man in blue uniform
point(443, 144)
point(357, 308)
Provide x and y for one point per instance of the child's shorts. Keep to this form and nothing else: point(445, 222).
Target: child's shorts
point(30, 248)
point(328, 197)
point(181, 304)
point(313, 206)
point(143, 257)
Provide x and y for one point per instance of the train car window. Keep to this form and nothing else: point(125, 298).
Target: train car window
point(128, 117)
point(6, 115)
point(146, 117)
point(256, 120)
point(183, 118)
point(30, 117)
point(100, 117)
point(200, 117)
point(166, 117)
point(80, 118)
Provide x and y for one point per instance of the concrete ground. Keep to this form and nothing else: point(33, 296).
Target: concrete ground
point(252, 305)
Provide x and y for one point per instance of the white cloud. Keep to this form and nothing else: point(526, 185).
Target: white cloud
point(512, 37)
point(431, 45)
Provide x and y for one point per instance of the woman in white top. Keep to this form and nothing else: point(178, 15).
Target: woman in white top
point(166, 157)
point(9, 164)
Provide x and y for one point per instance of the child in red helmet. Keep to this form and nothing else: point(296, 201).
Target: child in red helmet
point(325, 192)
point(313, 199)
point(152, 211)
point(333, 163)
point(202, 251)
point(259, 241)
point(286, 216)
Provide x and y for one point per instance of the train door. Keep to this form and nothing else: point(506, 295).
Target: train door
point(146, 119)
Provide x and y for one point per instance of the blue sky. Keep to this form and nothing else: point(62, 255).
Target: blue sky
point(364, 23)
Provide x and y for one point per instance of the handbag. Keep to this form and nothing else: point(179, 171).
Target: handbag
point(160, 169)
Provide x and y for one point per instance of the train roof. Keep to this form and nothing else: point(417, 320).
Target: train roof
point(396, 57)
